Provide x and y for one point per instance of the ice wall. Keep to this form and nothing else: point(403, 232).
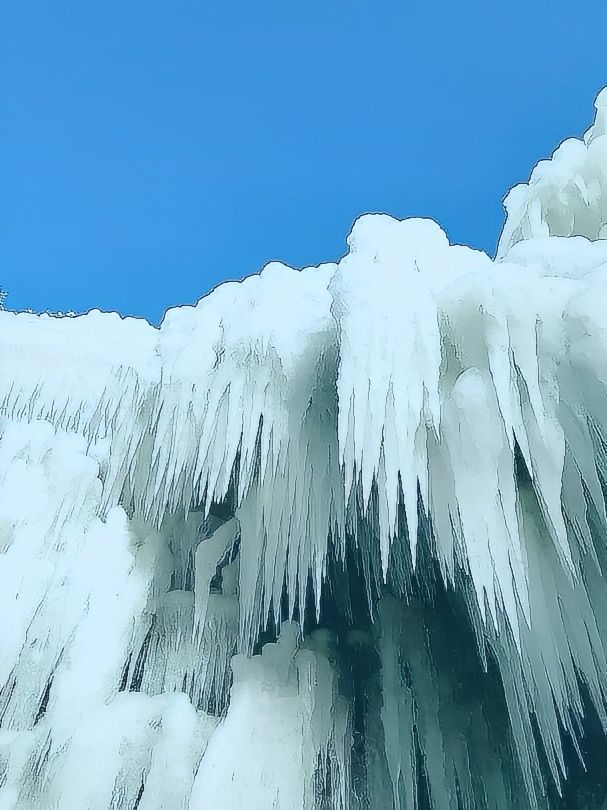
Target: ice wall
point(330, 539)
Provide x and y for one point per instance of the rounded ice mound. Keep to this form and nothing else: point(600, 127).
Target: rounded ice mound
point(565, 195)
point(382, 236)
point(383, 250)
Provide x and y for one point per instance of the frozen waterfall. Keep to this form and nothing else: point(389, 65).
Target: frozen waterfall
point(331, 539)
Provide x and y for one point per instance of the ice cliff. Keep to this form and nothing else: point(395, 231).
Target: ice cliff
point(331, 539)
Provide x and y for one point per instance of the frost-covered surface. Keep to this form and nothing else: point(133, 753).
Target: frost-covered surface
point(331, 539)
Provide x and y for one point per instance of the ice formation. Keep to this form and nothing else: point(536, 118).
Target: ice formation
point(331, 539)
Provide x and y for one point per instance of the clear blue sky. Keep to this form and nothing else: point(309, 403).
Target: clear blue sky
point(149, 150)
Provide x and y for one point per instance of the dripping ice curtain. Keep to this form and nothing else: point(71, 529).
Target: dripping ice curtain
point(331, 538)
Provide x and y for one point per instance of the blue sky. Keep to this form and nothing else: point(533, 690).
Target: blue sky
point(149, 150)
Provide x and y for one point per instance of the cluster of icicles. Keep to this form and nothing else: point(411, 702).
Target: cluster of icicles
point(332, 539)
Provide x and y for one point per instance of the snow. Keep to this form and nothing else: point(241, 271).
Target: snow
point(331, 538)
